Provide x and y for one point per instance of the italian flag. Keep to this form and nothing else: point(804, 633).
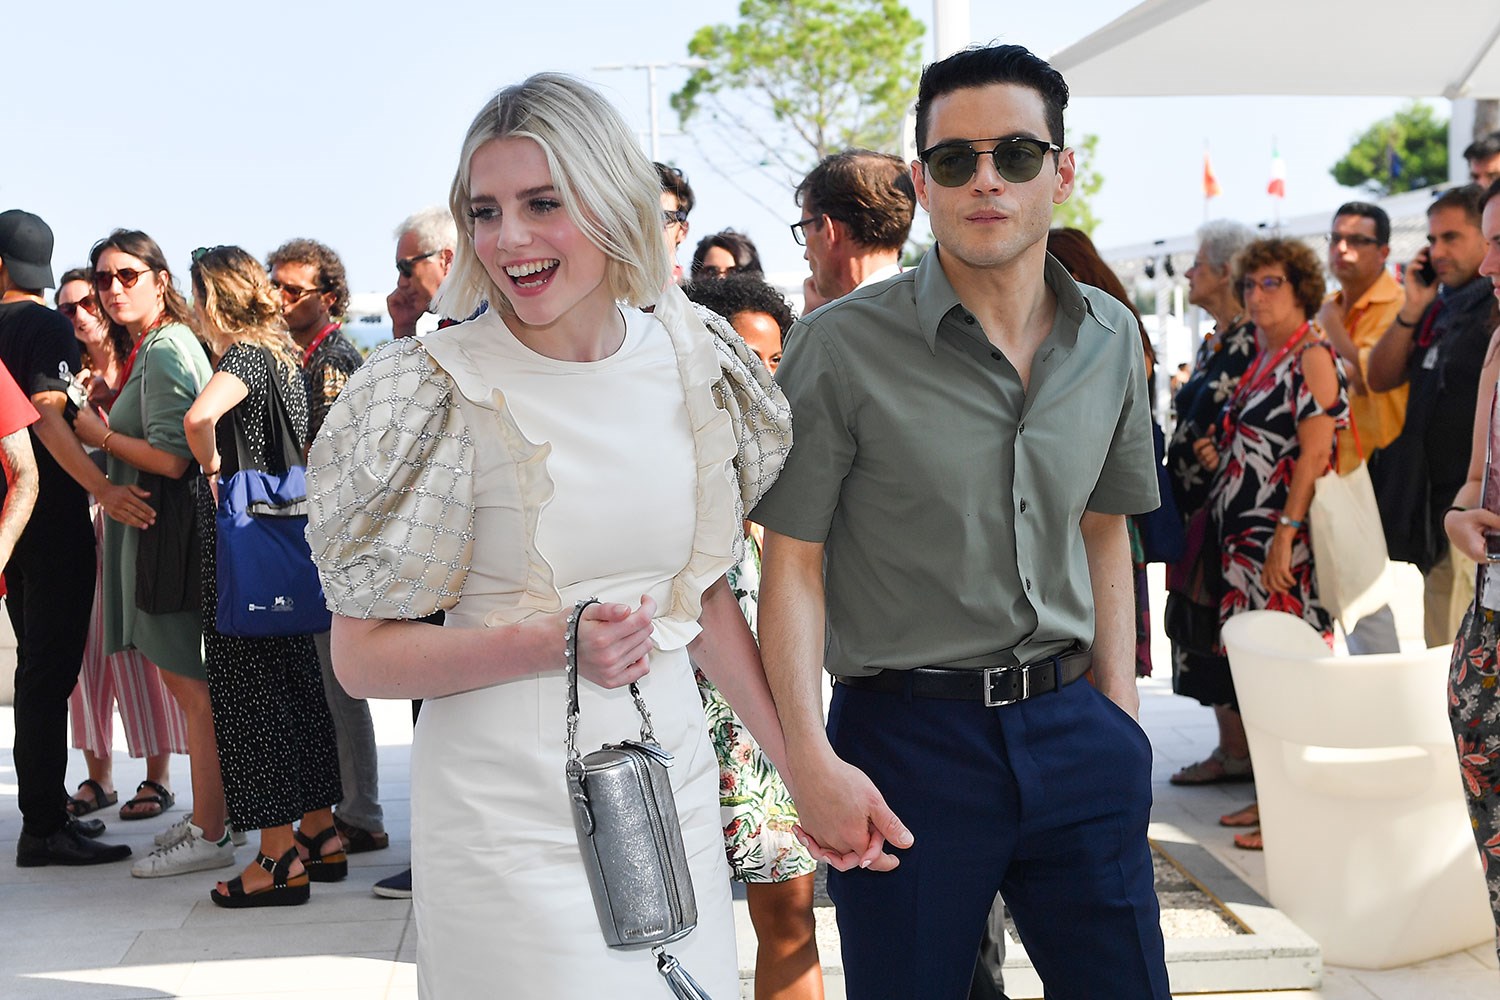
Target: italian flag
point(1277, 187)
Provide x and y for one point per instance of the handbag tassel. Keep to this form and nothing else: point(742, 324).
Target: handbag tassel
point(683, 985)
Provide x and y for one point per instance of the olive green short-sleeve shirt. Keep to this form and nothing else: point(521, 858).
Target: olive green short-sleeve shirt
point(948, 496)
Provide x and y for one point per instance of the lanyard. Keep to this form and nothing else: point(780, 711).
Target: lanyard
point(322, 336)
point(130, 361)
point(1256, 377)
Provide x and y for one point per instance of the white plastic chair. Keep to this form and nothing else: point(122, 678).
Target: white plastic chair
point(1369, 847)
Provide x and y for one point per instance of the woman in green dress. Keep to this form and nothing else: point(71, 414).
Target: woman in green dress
point(164, 373)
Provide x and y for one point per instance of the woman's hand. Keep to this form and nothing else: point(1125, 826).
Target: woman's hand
point(100, 394)
point(127, 505)
point(614, 643)
point(1207, 454)
point(90, 428)
point(1276, 575)
point(1467, 529)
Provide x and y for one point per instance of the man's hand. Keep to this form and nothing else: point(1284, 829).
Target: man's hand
point(843, 818)
point(127, 505)
point(405, 312)
point(1419, 294)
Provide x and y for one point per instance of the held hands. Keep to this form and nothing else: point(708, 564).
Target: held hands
point(844, 819)
point(1207, 454)
point(614, 643)
point(1467, 529)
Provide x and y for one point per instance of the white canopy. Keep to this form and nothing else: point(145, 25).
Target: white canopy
point(1431, 48)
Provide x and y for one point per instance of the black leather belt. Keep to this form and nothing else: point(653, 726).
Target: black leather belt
point(995, 686)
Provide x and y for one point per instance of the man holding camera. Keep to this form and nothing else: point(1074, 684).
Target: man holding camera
point(1437, 345)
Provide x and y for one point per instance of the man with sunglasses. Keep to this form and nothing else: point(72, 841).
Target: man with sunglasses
point(948, 540)
point(424, 253)
point(1354, 317)
point(857, 208)
point(676, 204)
point(49, 577)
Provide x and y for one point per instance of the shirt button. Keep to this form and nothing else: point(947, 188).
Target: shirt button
point(1023, 506)
point(1028, 584)
point(996, 355)
point(969, 320)
point(1021, 429)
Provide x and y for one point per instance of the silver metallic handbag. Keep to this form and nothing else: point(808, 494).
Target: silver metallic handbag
point(629, 835)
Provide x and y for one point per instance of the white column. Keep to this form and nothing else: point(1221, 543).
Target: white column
point(950, 26)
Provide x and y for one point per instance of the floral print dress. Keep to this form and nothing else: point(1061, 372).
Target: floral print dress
point(1474, 699)
point(1259, 451)
point(754, 805)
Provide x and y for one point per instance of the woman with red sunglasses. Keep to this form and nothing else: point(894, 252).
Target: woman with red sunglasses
point(163, 373)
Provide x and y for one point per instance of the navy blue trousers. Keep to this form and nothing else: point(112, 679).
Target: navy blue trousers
point(1045, 802)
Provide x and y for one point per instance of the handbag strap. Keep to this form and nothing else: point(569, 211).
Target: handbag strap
point(281, 431)
point(648, 735)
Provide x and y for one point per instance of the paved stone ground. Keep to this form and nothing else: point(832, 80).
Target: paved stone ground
point(98, 934)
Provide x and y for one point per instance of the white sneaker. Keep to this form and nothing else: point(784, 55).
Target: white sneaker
point(190, 853)
point(179, 829)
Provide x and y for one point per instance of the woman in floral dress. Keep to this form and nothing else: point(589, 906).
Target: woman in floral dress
point(1474, 518)
point(1274, 440)
point(1222, 358)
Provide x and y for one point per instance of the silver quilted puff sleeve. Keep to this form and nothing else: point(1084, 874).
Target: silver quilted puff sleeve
point(391, 490)
point(758, 408)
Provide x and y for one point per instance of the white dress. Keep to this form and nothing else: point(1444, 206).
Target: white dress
point(502, 903)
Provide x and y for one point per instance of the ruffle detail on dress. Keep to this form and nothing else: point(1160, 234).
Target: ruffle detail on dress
point(391, 491)
point(717, 534)
point(449, 347)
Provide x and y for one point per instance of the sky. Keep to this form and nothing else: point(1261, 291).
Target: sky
point(213, 124)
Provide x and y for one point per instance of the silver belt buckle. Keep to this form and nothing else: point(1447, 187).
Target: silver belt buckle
point(990, 673)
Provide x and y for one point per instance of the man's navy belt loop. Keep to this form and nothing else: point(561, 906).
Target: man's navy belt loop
point(996, 687)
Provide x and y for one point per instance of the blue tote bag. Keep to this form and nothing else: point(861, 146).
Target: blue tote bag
point(268, 585)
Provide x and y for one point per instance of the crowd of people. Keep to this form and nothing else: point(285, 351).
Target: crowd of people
point(590, 442)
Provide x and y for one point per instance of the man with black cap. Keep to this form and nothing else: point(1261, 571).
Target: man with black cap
point(49, 579)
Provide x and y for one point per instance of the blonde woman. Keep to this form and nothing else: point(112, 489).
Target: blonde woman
point(562, 445)
point(276, 739)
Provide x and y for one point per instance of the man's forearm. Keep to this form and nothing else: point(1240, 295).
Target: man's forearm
point(1107, 543)
point(20, 489)
point(791, 638)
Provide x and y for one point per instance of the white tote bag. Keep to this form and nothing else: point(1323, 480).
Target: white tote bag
point(1348, 545)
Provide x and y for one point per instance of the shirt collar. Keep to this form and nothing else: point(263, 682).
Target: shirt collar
point(889, 271)
point(936, 299)
point(1384, 289)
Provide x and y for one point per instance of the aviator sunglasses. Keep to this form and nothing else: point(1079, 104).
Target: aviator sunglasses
point(1018, 159)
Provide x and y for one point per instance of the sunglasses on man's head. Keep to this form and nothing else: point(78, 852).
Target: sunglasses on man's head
point(1018, 159)
point(408, 265)
point(87, 303)
point(127, 276)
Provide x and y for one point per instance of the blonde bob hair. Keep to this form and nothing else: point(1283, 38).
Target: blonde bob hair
point(238, 304)
point(606, 184)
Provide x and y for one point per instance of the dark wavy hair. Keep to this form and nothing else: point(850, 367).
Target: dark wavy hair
point(119, 340)
point(331, 276)
point(737, 293)
point(982, 65)
point(1303, 270)
point(142, 247)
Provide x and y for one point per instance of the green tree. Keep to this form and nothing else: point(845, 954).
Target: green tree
point(1406, 151)
point(828, 74)
point(1076, 212)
